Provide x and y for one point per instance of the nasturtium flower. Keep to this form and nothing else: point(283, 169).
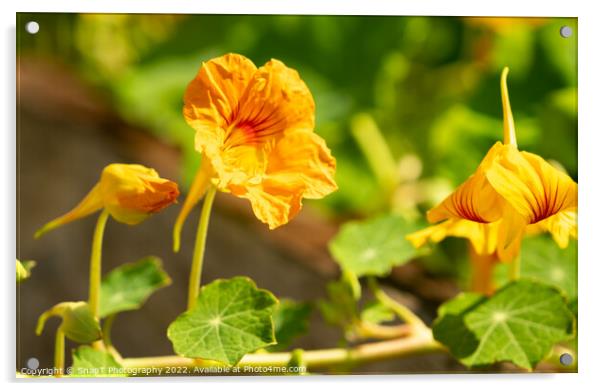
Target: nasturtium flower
point(129, 192)
point(511, 193)
point(255, 130)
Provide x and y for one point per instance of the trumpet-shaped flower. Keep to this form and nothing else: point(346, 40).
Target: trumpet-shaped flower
point(255, 130)
point(129, 192)
point(512, 192)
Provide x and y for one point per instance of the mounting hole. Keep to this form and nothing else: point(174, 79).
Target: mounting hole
point(566, 31)
point(566, 359)
point(33, 363)
point(32, 27)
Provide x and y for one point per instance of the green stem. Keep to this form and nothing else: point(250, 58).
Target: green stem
point(420, 342)
point(59, 353)
point(106, 330)
point(96, 263)
point(378, 331)
point(199, 248)
point(401, 310)
point(515, 268)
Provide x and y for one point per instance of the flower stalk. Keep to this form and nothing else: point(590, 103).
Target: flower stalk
point(59, 352)
point(401, 310)
point(199, 248)
point(96, 263)
point(420, 342)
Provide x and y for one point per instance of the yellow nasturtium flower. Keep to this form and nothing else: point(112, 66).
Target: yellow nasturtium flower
point(511, 193)
point(255, 130)
point(129, 192)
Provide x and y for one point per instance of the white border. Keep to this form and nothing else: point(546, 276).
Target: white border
point(590, 264)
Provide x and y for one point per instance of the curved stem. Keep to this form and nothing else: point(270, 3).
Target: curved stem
point(401, 310)
point(420, 342)
point(199, 248)
point(373, 330)
point(59, 353)
point(96, 263)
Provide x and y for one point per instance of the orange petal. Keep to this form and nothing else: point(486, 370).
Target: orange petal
point(273, 202)
point(132, 192)
point(299, 166)
point(276, 101)
point(199, 187)
point(90, 204)
point(213, 96)
point(302, 159)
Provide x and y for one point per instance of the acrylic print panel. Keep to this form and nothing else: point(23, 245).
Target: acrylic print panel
point(236, 194)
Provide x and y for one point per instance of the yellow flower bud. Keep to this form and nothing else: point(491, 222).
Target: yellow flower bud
point(129, 192)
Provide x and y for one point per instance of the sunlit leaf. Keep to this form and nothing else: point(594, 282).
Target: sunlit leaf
point(231, 318)
point(290, 321)
point(542, 260)
point(129, 286)
point(373, 247)
point(376, 312)
point(90, 362)
point(520, 323)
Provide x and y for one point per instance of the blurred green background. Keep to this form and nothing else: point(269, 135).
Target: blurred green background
point(409, 105)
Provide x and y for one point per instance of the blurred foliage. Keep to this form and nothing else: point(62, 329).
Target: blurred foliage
point(409, 105)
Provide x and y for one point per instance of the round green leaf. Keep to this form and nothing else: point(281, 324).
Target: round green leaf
point(374, 246)
point(231, 318)
point(520, 323)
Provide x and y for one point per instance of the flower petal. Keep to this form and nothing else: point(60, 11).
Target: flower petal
point(475, 199)
point(214, 94)
point(90, 204)
point(132, 192)
point(562, 226)
point(299, 166)
point(276, 100)
point(198, 188)
point(483, 237)
point(274, 203)
point(533, 187)
point(303, 159)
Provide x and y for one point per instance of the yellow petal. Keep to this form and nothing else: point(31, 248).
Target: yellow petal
point(511, 232)
point(273, 206)
point(483, 237)
point(90, 204)
point(562, 226)
point(131, 192)
point(198, 188)
point(475, 199)
point(534, 188)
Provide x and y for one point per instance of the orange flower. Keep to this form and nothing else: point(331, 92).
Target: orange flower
point(255, 129)
point(129, 192)
point(511, 193)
